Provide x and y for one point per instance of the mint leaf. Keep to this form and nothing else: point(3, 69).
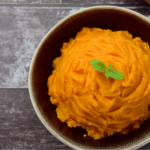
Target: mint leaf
point(107, 73)
point(109, 67)
point(115, 74)
point(98, 65)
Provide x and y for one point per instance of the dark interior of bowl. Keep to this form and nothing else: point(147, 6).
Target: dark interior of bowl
point(103, 18)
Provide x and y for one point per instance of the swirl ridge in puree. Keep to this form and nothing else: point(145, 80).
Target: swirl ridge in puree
point(86, 98)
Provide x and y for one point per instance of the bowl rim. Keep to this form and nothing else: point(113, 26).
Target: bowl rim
point(30, 88)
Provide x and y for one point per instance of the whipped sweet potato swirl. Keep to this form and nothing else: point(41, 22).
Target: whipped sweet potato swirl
point(86, 98)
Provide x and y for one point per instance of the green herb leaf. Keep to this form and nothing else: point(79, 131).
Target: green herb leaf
point(109, 67)
point(98, 65)
point(107, 73)
point(115, 74)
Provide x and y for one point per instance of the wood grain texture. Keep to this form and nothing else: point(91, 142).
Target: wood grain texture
point(21, 31)
point(20, 126)
point(70, 1)
point(23, 24)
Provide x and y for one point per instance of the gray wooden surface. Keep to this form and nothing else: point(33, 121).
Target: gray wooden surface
point(23, 23)
point(20, 128)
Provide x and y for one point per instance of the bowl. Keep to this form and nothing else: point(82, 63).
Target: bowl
point(105, 17)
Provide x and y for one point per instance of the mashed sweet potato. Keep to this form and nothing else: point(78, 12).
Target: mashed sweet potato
point(86, 98)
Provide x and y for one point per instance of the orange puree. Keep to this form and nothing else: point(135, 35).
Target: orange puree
point(86, 98)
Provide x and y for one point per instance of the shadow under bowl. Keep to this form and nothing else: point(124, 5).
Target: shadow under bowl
point(104, 17)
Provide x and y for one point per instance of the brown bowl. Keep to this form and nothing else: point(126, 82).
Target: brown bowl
point(104, 17)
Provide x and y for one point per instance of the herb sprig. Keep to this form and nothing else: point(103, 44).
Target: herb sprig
point(109, 72)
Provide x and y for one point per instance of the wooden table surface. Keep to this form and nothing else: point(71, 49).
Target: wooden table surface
point(23, 23)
